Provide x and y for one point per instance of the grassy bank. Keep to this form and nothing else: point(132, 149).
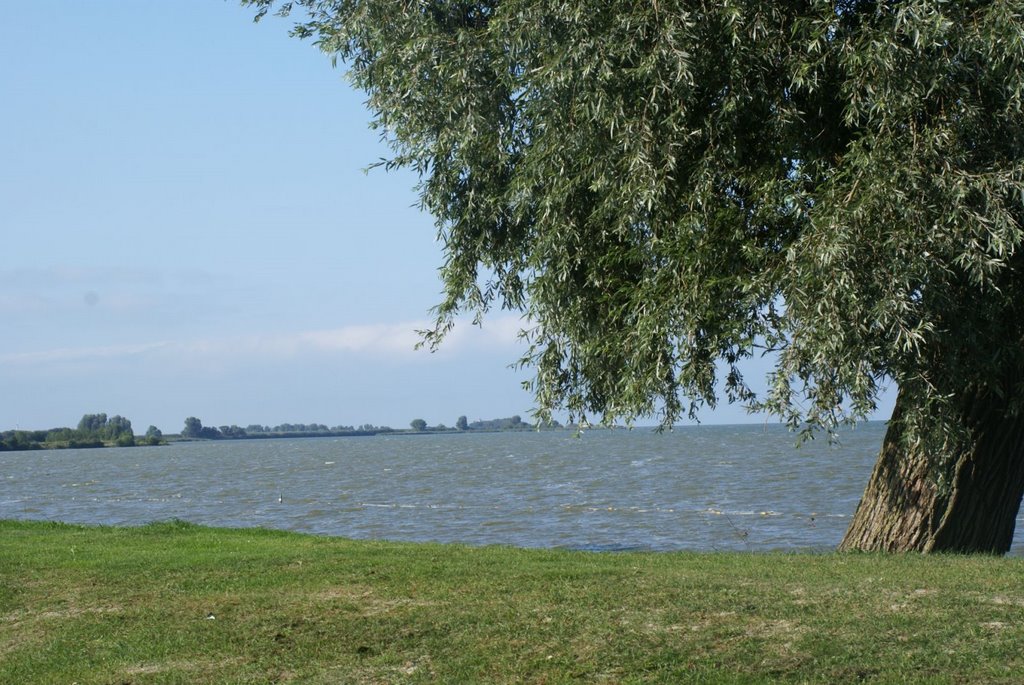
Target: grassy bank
point(175, 603)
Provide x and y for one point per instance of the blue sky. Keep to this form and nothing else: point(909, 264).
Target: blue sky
point(188, 231)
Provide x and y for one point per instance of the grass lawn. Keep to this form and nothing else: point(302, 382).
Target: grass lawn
point(177, 603)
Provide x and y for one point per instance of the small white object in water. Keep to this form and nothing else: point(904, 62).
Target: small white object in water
point(280, 497)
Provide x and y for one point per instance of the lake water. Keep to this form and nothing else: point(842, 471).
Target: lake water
point(697, 488)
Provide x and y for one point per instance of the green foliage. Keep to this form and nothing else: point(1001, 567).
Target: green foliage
point(94, 430)
point(92, 423)
point(510, 423)
point(98, 428)
point(193, 427)
point(418, 425)
point(18, 440)
point(461, 423)
point(60, 435)
point(305, 428)
point(232, 431)
point(667, 189)
point(117, 427)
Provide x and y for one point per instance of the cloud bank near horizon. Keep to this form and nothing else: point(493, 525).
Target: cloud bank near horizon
point(382, 341)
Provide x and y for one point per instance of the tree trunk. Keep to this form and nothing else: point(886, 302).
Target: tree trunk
point(965, 501)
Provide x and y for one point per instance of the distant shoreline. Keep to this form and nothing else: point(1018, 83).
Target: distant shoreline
point(175, 438)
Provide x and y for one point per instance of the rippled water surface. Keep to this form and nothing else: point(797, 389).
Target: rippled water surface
point(703, 488)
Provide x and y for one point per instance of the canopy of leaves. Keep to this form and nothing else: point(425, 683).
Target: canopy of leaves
point(668, 188)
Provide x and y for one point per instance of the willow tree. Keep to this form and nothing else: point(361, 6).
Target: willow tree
point(668, 188)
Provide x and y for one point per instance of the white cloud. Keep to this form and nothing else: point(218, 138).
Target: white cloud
point(496, 331)
point(380, 338)
point(395, 341)
point(79, 354)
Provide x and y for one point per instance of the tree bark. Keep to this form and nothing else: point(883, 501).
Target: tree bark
point(965, 501)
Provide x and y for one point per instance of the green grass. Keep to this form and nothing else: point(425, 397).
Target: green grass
point(176, 603)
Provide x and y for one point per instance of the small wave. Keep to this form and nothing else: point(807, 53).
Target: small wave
point(610, 548)
point(397, 505)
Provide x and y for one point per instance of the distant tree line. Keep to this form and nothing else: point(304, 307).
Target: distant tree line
point(94, 430)
point(511, 423)
point(463, 424)
point(99, 430)
point(195, 429)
